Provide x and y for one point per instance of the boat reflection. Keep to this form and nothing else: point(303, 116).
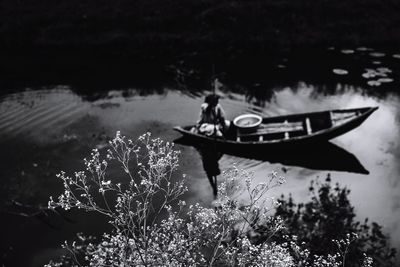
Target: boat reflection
point(324, 156)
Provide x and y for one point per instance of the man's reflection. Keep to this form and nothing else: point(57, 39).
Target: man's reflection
point(210, 157)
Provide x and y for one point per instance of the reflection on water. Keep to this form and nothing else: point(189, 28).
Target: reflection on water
point(325, 156)
point(45, 131)
point(210, 157)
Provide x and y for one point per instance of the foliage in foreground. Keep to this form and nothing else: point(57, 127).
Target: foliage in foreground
point(153, 227)
point(329, 216)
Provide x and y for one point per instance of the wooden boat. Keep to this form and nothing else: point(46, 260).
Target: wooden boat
point(289, 130)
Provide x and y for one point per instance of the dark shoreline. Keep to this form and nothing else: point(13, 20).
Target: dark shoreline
point(153, 28)
point(81, 41)
point(98, 69)
point(145, 43)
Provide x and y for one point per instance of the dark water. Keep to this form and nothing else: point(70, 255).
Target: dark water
point(52, 128)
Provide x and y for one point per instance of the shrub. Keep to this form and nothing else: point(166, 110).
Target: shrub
point(153, 227)
point(329, 216)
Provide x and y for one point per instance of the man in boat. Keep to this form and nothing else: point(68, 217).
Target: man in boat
point(212, 117)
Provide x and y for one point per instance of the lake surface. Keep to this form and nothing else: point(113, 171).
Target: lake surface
point(50, 128)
